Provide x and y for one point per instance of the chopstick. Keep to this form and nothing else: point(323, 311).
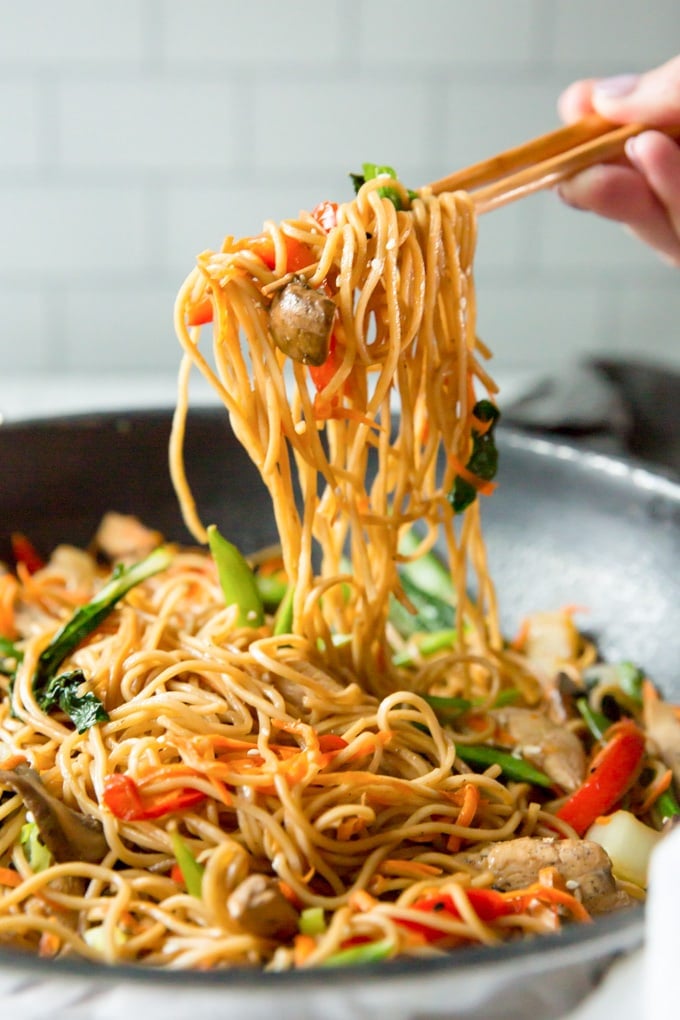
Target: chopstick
point(542, 162)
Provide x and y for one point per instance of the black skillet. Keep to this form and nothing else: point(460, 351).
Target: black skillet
point(565, 527)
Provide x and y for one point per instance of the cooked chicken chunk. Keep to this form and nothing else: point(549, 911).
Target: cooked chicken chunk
point(663, 729)
point(123, 538)
point(554, 749)
point(583, 865)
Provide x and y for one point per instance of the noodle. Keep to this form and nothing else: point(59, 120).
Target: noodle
point(312, 758)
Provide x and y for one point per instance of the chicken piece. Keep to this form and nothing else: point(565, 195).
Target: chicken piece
point(552, 748)
point(259, 906)
point(551, 641)
point(123, 538)
point(583, 864)
point(663, 729)
point(78, 568)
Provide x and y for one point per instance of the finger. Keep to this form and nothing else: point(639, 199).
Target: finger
point(621, 193)
point(657, 157)
point(576, 101)
point(651, 98)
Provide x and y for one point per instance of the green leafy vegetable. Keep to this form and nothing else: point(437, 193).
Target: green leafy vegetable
point(62, 691)
point(237, 580)
point(52, 690)
point(271, 589)
point(37, 854)
point(596, 722)
point(428, 644)
point(666, 806)
point(373, 170)
point(432, 613)
point(87, 618)
point(370, 952)
point(10, 657)
point(192, 870)
point(512, 768)
point(427, 571)
point(483, 462)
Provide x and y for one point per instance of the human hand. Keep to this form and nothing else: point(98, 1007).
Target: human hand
point(644, 191)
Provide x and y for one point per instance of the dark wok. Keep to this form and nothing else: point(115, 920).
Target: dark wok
point(565, 527)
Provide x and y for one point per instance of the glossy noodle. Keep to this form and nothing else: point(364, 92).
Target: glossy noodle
point(307, 779)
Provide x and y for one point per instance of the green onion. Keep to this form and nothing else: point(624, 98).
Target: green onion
point(192, 870)
point(370, 952)
point(666, 805)
point(596, 722)
point(236, 580)
point(427, 644)
point(427, 572)
point(312, 921)
point(513, 768)
point(271, 588)
point(283, 622)
point(447, 708)
point(37, 854)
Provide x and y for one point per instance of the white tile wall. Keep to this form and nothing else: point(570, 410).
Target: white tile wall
point(135, 134)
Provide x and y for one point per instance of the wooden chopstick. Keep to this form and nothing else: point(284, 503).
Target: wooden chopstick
point(542, 162)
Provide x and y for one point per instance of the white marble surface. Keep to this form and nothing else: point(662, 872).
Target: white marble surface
point(635, 986)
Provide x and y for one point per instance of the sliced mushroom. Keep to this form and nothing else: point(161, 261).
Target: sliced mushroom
point(552, 748)
point(67, 834)
point(300, 319)
point(583, 864)
point(259, 906)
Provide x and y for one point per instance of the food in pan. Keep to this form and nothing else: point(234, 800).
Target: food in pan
point(324, 753)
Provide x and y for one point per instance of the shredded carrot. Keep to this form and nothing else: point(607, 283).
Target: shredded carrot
point(349, 827)
point(11, 762)
point(49, 944)
point(465, 815)
point(551, 878)
point(518, 643)
point(553, 897)
point(10, 877)
point(9, 587)
point(655, 789)
point(408, 868)
point(303, 947)
point(480, 484)
point(290, 894)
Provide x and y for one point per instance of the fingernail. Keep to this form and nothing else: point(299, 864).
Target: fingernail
point(616, 87)
point(561, 193)
point(631, 150)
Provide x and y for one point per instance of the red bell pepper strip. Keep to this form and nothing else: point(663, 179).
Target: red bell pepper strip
point(612, 772)
point(326, 215)
point(298, 256)
point(123, 799)
point(486, 903)
point(489, 905)
point(25, 552)
point(321, 375)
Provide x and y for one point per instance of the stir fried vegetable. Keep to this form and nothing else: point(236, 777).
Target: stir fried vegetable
point(477, 475)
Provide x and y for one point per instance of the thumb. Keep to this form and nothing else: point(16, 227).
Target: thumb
point(652, 98)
